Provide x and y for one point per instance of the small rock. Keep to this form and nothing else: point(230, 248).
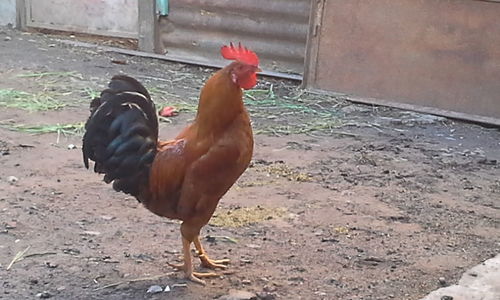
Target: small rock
point(254, 246)
point(61, 288)
point(447, 298)
point(51, 265)
point(266, 296)
point(167, 289)
point(71, 251)
point(10, 225)
point(485, 161)
point(119, 61)
point(44, 295)
point(12, 179)
point(245, 261)
point(7, 38)
point(107, 218)
point(442, 281)
point(71, 146)
point(239, 295)
point(88, 232)
point(154, 289)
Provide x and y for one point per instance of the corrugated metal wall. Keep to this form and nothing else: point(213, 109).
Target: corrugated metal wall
point(275, 29)
point(104, 17)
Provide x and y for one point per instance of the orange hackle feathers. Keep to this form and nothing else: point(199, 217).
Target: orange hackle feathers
point(240, 53)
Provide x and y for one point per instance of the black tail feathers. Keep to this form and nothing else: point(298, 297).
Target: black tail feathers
point(121, 134)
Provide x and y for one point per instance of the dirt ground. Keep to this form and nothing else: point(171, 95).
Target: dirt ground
point(342, 201)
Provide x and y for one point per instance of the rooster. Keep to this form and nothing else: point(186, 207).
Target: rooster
point(183, 178)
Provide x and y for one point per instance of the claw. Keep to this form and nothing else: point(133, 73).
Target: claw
point(195, 279)
point(179, 267)
point(213, 264)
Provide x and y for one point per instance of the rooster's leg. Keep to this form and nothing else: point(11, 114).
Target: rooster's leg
point(187, 267)
point(205, 261)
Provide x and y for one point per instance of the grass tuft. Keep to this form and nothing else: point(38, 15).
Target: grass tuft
point(66, 129)
point(90, 93)
point(298, 112)
point(33, 102)
point(48, 74)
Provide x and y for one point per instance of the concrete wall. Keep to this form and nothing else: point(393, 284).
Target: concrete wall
point(104, 17)
point(8, 12)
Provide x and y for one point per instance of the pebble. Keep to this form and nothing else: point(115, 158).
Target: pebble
point(7, 38)
point(88, 232)
point(447, 298)
point(51, 265)
point(12, 179)
point(11, 225)
point(266, 296)
point(43, 295)
point(71, 146)
point(154, 289)
point(442, 281)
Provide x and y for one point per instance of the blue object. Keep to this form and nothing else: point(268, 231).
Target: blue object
point(162, 7)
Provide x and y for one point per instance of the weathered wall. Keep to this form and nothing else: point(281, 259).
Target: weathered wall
point(438, 54)
point(105, 17)
point(275, 29)
point(8, 12)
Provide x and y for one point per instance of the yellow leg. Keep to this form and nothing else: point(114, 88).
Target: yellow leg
point(187, 267)
point(205, 261)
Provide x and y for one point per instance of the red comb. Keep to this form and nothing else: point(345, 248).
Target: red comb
point(239, 53)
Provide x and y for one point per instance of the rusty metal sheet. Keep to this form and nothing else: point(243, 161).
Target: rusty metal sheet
point(275, 29)
point(117, 18)
point(420, 53)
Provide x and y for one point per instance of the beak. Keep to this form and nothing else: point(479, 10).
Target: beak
point(258, 70)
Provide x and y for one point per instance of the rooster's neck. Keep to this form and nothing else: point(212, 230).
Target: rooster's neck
point(221, 101)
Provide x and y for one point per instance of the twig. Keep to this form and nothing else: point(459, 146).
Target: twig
point(26, 146)
point(18, 257)
point(133, 280)
point(345, 133)
point(98, 277)
point(38, 254)
point(223, 238)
